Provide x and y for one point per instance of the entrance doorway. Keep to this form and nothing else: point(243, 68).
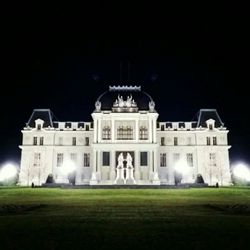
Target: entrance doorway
point(125, 162)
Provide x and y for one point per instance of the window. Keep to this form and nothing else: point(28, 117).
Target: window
point(41, 140)
point(176, 157)
point(106, 135)
point(37, 160)
point(73, 157)
point(208, 141)
point(144, 158)
point(212, 159)
point(175, 141)
point(60, 141)
point(124, 133)
point(162, 141)
point(189, 141)
point(105, 158)
point(39, 126)
point(190, 160)
point(86, 141)
point(59, 160)
point(74, 141)
point(162, 127)
point(34, 140)
point(143, 133)
point(214, 140)
point(163, 160)
point(210, 127)
point(86, 160)
point(87, 127)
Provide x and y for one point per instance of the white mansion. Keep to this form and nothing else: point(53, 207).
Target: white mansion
point(125, 144)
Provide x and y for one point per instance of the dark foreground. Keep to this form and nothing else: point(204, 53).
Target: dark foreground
point(45, 218)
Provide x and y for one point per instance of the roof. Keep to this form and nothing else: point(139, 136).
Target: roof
point(44, 114)
point(205, 114)
point(141, 98)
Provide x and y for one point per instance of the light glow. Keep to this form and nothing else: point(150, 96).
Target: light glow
point(181, 167)
point(8, 171)
point(241, 171)
point(68, 167)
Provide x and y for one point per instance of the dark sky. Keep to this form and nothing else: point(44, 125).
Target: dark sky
point(63, 58)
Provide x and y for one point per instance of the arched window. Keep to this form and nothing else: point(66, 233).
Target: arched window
point(106, 135)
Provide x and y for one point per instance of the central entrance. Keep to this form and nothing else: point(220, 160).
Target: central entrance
point(125, 167)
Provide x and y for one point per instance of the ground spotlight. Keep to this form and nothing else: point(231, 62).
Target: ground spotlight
point(241, 171)
point(7, 172)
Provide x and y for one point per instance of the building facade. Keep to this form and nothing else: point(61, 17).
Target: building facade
point(125, 144)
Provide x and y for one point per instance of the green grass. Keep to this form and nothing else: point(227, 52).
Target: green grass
point(207, 218)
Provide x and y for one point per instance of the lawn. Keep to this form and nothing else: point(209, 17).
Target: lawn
point(40, 218)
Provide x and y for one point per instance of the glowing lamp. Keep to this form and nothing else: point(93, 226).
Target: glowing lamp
point(8, 171)
point(241, 171)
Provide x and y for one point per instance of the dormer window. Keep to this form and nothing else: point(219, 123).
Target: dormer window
point(210, 124)
point(39, 124)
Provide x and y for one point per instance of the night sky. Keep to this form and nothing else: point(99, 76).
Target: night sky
point(186, 59)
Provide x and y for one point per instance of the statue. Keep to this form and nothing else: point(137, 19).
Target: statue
point(121, 102)
point(129, 101)
point(151, 106)
point(120, 170)
point(130, 170)
point(98, 106)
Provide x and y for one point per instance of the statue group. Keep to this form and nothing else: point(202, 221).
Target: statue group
point(125, 174)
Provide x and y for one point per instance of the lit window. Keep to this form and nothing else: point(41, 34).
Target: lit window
point(106, 135)
point(105, 158)
point(124, 133)
point(163, 160)
point(41, 140)
point(175, 141)
point(86, 141)
point(208, 141)
point(59, 160)
point(214, 140)
point(143, 133)
point(35, 140)
point(37, 160)
point(162, 141)
point(86, 160)
point(190, 160)
point(144, 158)
point(212, 159)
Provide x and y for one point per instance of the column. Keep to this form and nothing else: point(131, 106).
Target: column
point(137, 130)
point(99, 131)
point(113, 167)
point(99, 158)
point(112, 130)
point(95, 130)
point(150, 131)
point(156, 179)
point(137, 166)
point(154, 131)
point(93, 180)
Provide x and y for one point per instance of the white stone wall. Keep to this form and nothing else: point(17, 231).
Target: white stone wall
point(189, 141)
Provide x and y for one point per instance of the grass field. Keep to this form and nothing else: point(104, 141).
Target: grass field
point(206, 218)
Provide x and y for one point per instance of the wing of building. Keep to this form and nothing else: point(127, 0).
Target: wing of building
point(125, 144)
